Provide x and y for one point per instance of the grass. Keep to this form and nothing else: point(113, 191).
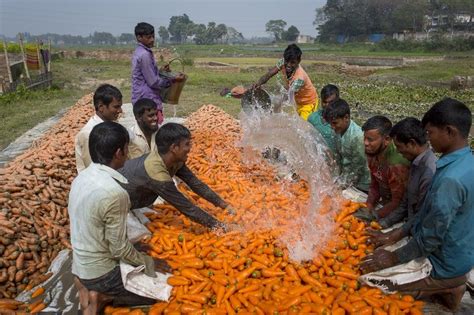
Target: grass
point(396, 92)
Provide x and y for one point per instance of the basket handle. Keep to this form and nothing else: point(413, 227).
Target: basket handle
point(177, 59)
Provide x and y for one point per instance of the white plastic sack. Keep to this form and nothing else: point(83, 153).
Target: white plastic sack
point(412, 271)
point(135, 230)
point(136, 281)
point(354, 194)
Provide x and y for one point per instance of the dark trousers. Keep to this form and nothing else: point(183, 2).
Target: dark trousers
point(428, 286)
point(111, 284)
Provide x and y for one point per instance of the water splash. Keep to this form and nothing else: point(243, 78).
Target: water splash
point(303, 152)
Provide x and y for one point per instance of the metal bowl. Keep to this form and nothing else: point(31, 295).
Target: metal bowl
point(255, 99)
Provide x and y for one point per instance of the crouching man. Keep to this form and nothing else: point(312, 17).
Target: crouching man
point(151, 175)
point(98, 208)
point(442, 231)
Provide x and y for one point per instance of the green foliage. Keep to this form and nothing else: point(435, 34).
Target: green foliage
point(434, 44)
point(14, 48)
point(164, 34)
point(291, 34)
point(276, 28)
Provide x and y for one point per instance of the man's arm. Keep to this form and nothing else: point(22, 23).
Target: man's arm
point(152, 79)
point(267, 76)
point(116, 234)
point(374, 193)
point(80, 145)
point(357, 162)
point(199, 187)
point(432, 230)
point(396, 215)
point(168, 191)
point(397, 181)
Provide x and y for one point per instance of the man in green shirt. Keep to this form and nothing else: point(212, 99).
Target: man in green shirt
point(329, 94)
point(354, 169)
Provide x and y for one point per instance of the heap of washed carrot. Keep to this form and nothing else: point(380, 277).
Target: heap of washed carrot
point(249, 271)
point(34, 223)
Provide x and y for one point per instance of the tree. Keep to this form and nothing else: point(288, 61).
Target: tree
point(164, 34)
point(103, 38)
point(180, 28)
point(291, 34)
point(276, 28)
point(126, 38)
point(233, 36)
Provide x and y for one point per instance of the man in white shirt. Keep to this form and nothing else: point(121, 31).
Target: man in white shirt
point(108, 106)
point(142, 133)
point(98, 207)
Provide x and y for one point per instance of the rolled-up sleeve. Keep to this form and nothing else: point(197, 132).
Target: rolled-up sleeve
point(152, 78)
point(116, 235)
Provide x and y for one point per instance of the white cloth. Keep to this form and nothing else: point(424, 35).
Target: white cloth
point(98, 208)
point(412, 271)
point(138, 144)
point(83, 157)
point(135, 281)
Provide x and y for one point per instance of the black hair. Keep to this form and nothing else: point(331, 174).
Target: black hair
point(169, 134)
point(292, 52)
point(407, 129)
point(381, 123)
point(142, 105)
point(144, 28)
point(337, 109)
point(105, 94)
point(328, 90)
point(451, 112)
point(105, 139)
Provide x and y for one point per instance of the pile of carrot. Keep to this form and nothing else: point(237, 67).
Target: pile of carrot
point(249, 271)
point(34, 188)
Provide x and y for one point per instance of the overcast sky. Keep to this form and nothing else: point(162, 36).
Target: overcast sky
point(82, 17)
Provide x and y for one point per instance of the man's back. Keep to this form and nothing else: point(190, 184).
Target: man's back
point(94, 196)
point(447, 216)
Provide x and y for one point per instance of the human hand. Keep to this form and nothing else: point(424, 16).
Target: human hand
point(380, 259)
point(229, 227)
point(162, 266)
point(230, 210)
point(142, 247)
point(165, 68)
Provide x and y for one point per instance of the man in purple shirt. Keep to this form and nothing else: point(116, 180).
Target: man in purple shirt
point(146, 79)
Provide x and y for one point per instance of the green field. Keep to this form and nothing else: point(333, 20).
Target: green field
point(395, 92)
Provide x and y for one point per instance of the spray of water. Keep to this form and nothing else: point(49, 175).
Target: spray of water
point(302, 151)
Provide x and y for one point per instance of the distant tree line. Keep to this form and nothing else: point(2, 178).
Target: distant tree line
point(181, 29)
point(353, 18)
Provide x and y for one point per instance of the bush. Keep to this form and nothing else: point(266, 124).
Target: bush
point(435, 43)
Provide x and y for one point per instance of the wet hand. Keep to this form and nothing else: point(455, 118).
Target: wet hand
point(379, 239)
point(230, 210)
point(141, 247)
point(162, 266)
point(380, 259)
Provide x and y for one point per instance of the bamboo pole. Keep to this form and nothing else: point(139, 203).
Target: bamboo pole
point(23, 55)
point(50, 55)
point(40, 60)
point(10, 77)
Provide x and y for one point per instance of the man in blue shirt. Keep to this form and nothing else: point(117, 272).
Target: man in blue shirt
point(443, 230)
